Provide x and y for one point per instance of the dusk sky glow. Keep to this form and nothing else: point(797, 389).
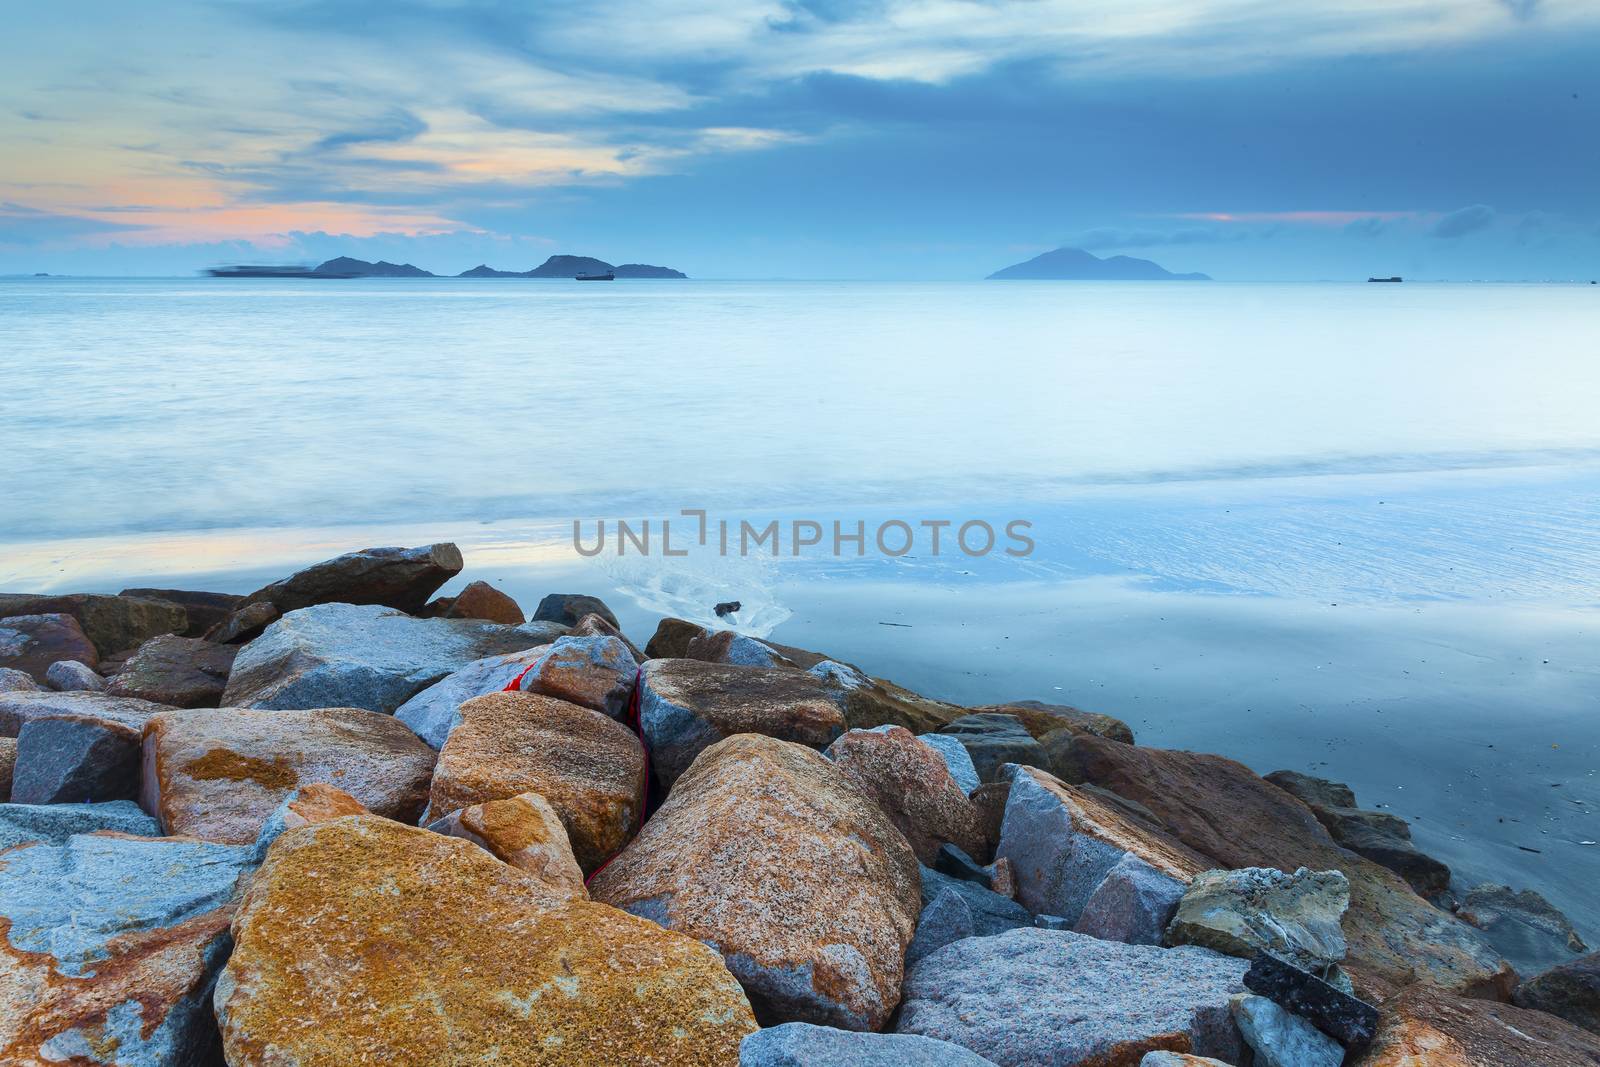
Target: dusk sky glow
point(812, 138)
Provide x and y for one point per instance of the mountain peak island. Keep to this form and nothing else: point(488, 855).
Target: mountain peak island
point(360, 268)
point(572, 266)
point(1074, 264)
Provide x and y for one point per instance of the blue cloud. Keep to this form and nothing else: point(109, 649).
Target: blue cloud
point(1464, 221)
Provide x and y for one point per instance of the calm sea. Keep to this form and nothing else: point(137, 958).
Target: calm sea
point(1345, 528)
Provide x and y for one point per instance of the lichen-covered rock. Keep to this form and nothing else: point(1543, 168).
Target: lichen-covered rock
point(1064, 843)
point(994, 740)
point(111, 623)
point(1262, 909)
point(913, 786)
point(1225, 812)
point(686, 705)
point(1570, 991)
point(1425, 1028)
point(956, 760)
point(1032, 996)
point(364, 941)
point(52, 824)
point(70, 676)
point(399, 578)
point(590, 768)
point(8, 766)
point(435, 711)
point(592, 672)
point(766, 851)
point(15, 681)
point(1178, 1059)
point(362, 656)
point(74, 747)
point(110, 947)
point(1523, 926)
point(870, 702)
point(31, 643)
point(1041, 719)
point(184, 672)
point(480, 600)
point(808, 1045)
point(567, 608)
point(204, 610)
point(1281, 1039)
point(524, 831)
point(218, 774)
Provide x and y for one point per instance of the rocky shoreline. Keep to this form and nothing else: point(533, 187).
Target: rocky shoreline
point(343, 820)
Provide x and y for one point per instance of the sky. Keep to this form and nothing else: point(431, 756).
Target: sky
point(1249, 139)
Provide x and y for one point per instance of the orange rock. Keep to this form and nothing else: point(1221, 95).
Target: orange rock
point(588, 767)
point(1423, 1028)
point(218, 774)
point(592, 625)
point(912, 784)
point(525, 832)
point(592, 672)
point(318, 802)
point(362, 941)
point(765, 850)
point(480, 600)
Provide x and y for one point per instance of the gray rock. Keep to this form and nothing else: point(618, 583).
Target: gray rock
point(1312, 790)
point(435, 711)
point(1523, 926)
point(954, 754)
point(362, 656)
point(1034, 996)
point(991, 912)
point(111, 623)
point(52, 824)
point(1052, 922)
point(70, 676)
point(1570, 991)
point(595, 672)
point(726, 646)
point(74, 747)
point(243, 624)
point(808, 1045)
point(399, 578)
point(1261, 909)
point(205, 610)
point(992, 740)
point(8, 764)
point(1178, 1059)
point(567, 608)
point(15, 681)
point(30, 643)
point(1133, 904)
point(159, 908)
point(184, 672)
point(1280, 1039)
point(687, 705)
point(948, 918)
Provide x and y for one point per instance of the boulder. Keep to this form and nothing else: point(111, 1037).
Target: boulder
point(1426, 1027)
point(1383, 838)
point(686, 705)
point(593, 672)
point(52, 824)
point(524, 831)
point(991, 912)
point(1282, 1039)
point(1178, 1059)
point(1068, 848)
point(74, 746)
point(218, 775)
point(312, 803)
point(1334, 1011)
point(1032, 996)
point(956, 760)
point(808, 1045)
point(31, 643)
point(1523, 926)
point(1041, 720)
point(1570, 991)
point(913, 786)
point(567, 608)
point(204, 610)
point(588, 767)
point(947, 918)
point(327, 972)
point(1262, 909)
point(592, 625)
point(727, 646)
point(70, 676)
point(244, 624)
point(993, 740)
point(112, 944)
point(15, 681)
point(399, 578)
point(764, 850)
point(184, 672)
point(111, 623)
point(1223, 811)
point(480, 600)
point(435, 711)
point(362, 656)
point(870, 702)
point(8, 766)
point(671, 639)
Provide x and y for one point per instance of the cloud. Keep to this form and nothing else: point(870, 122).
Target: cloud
point(25, 226)
point(1522, 10)
point(1466, 220)
point(1108, 237)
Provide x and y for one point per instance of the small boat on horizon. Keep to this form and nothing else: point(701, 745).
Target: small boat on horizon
point(250, 271)
point(1396, 278)
point(608, 276)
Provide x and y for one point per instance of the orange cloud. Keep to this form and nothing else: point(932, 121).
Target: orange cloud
point(1303, 218)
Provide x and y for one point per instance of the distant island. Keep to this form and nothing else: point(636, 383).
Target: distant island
point(360, 268)
point(1074, 264)
point(554, 267)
